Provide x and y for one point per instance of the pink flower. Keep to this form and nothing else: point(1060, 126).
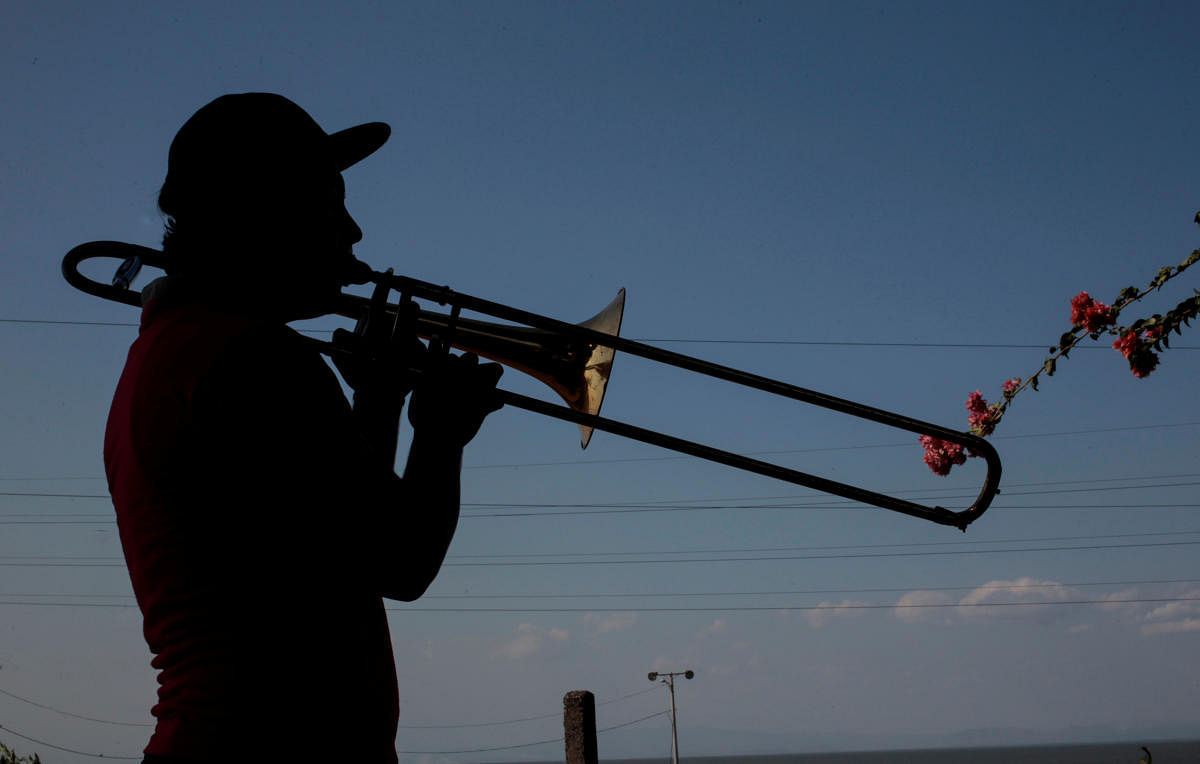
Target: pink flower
point(1012, 384)
point(941, 455)
point(1142, 360)
point(979, 415)
point(1090, 314)
point(1128, 343)
point(1080, 304)
point(1141, 365)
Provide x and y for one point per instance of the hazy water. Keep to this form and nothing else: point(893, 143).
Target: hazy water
point(1170, 752)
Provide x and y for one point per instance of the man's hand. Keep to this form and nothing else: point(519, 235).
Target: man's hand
point(381, 354)
point(452, 396)
point(379, 371)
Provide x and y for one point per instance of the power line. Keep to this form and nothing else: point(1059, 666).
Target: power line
point(600, 509)
point(593, 508)
point(673, 595)
point(927, 492)
point(12, 731)
point(711, 608)
point(775, 452)
point(484, 750)
point(839, 546)
point(402, 726)
point(554, 715)
point(821, 500)
point(843, 556)
point(539, 742)
point(608, 509)
point(684, 340)
point(635, 721)
point(687, 560)
point(76, 716)
point(780, 452)
point(802, 608)
point(867, 344)
point(126, 324)
point(84, 561)
point(795, 592)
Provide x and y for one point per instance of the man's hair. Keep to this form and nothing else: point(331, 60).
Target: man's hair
point(225, 224)
point(171, 245)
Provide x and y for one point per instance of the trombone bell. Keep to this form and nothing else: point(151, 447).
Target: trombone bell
point(577, 369)
point(598, 366)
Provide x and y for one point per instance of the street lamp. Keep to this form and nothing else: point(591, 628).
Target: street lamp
point(669, 681)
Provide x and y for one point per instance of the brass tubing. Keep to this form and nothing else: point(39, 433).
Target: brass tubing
point(542, 354)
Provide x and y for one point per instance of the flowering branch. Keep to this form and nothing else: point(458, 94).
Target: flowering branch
point(1140, 343)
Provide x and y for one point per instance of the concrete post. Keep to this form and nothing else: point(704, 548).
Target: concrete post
point(579, 727)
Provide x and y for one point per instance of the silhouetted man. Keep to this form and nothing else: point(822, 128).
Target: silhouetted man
point(260, 514)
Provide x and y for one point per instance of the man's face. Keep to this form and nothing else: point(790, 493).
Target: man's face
point(313, 238)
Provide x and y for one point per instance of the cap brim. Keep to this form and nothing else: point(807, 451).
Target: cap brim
point(354, 144)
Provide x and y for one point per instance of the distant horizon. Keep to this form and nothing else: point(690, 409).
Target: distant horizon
point(1027, 753)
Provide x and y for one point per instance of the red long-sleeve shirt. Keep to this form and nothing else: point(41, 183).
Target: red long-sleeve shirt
point(236, 475)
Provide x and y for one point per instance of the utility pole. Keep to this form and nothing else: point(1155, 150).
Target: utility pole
point(669, 681)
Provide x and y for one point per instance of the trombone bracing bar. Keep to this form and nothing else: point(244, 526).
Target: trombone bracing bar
point(557, 350)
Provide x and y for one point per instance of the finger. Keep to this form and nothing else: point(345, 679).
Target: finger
point(492, 372)
point(346, 341)
point(343, 337)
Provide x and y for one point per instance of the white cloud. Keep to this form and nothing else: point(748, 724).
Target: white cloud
point(1172, 627)
point(716, 627)
point(1022, 590)
point(827, 611)
point(1115, 600)
point(612, 622)
point(529, 640)
point(1174, 617)
point(1171, 610)
point(919, 604)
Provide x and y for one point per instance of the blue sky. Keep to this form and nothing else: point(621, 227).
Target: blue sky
point(859, 198)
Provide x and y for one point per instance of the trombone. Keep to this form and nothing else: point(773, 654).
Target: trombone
point(575, 360)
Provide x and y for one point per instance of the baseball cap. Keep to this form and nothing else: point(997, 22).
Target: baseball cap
point(244, 142)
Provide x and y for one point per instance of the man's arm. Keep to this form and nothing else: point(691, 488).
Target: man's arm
point(453, 395)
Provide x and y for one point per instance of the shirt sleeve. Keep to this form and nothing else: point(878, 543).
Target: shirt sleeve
point(286, 470)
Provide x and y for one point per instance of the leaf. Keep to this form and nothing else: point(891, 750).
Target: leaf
point(1065, 340)
point(1048, 367)
point(1033, 383)
point(1128, 293)
point(1164, 273)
